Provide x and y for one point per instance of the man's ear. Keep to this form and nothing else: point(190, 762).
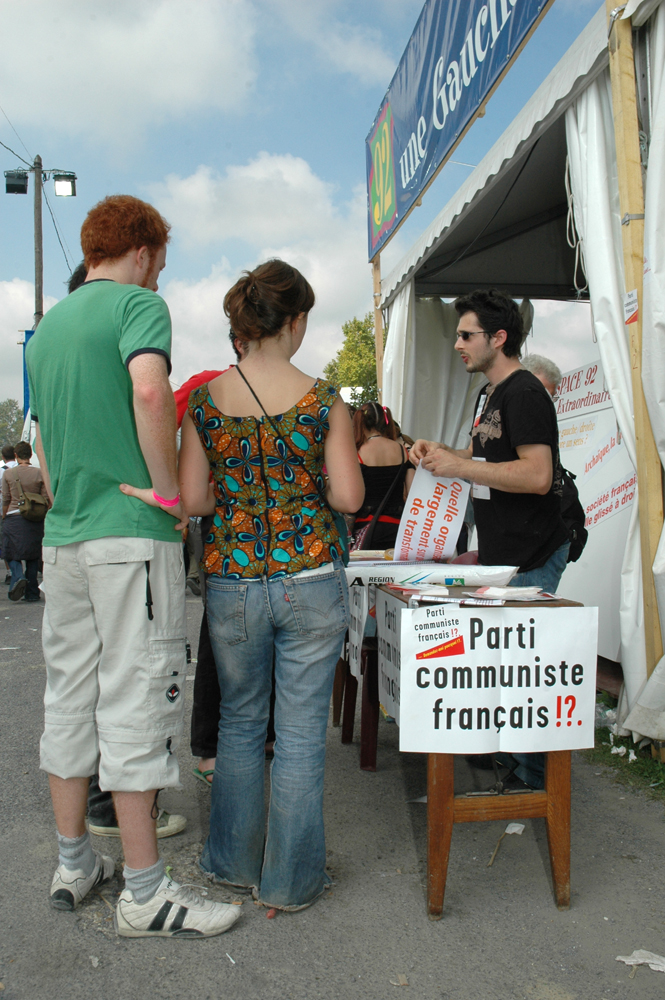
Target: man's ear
point(142, 257)
point(500, 337)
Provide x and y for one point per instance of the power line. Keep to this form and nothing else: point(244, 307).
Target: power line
point(14, 153)
point(57, 232)
point(17, 136)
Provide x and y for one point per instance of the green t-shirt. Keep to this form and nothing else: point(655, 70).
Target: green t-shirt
point(81, 394)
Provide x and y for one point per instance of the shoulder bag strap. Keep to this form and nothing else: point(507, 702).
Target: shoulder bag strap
point(370, 531)
point(20, 485)
point(318, 489)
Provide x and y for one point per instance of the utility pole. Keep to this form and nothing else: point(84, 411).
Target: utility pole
point(39, 254)
point(378, 324)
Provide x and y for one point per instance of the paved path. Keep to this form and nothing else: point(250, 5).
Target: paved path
point(501, 936)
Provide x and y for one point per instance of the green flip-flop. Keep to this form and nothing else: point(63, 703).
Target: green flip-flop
point(203, 776)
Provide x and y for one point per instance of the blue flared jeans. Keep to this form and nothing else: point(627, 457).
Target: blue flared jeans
point(301, 620)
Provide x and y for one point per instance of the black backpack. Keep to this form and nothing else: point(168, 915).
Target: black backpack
point(573, 515)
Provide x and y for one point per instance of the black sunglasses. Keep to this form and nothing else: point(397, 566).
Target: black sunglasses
point(465, 334)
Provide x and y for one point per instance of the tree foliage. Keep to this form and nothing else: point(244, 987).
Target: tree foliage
point(11, 422)
point(355, 362)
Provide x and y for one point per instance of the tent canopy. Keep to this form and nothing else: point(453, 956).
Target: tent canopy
point(506, 226)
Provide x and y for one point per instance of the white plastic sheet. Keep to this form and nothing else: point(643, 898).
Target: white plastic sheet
point(648, 715)
point(398, 345)
point(593, 173)
point(425, 383)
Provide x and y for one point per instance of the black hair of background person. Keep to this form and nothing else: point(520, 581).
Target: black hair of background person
point(77, 277)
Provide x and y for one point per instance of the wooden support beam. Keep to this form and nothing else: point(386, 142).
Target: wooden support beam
point(631, 198)
point(378, 323)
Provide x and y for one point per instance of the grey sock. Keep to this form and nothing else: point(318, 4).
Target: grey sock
point(144, 882)
point(76, 853)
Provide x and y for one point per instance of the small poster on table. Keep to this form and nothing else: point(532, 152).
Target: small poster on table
point(358, 602)
point(480, 680)
point(432, 519)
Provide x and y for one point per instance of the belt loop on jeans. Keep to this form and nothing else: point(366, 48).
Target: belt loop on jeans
point(148, 591)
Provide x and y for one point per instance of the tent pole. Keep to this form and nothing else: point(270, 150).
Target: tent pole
point(631, 198)
point(378, 323)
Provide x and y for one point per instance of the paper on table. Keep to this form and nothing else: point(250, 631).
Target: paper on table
point(513, 593)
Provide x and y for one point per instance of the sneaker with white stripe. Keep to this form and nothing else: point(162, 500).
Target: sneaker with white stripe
point(69, 887)
point(174, 911)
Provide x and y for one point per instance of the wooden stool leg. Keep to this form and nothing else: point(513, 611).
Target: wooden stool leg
point(369, 713)
point(349, 714)
point(440, 819)
point(557, 786)
point(341, 671)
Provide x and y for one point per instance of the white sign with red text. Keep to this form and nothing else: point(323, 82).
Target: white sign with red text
point(618, 496)
point(582, 390)
point(432, 519)
point(487, 679)
point(592, 449)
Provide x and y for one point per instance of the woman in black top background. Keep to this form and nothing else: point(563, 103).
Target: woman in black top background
point(385, 467)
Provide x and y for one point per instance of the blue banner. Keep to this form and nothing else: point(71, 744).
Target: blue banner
point(455, 56)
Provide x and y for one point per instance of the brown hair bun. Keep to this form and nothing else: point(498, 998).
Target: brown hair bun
point(264, 299)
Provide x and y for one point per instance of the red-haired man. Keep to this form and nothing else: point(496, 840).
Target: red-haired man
point(114, 625)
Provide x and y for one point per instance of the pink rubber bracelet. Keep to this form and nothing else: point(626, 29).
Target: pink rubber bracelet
point(167, 503)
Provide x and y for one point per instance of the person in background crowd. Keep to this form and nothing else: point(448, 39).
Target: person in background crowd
point(545, 371)
point(22, 539)
point(8, 462)
point(387, 475)
point(275, 585)
point(402, 437)
point(572, 511)
point(8, 458)
point(516, 475)
point(98, 369)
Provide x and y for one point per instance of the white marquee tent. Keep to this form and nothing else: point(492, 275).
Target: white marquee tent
point(508, 227)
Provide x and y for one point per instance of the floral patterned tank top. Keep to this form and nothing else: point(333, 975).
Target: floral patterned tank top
point(269, 518)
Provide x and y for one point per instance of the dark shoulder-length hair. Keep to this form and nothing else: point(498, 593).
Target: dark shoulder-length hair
point(373, 417)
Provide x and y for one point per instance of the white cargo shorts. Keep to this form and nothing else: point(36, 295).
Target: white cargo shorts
point(115, 679)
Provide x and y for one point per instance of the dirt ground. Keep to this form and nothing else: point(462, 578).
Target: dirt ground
point(501, 935)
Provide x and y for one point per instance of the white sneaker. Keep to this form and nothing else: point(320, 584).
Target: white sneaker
point(174, 911)
point(168, 824)
point(70, 887)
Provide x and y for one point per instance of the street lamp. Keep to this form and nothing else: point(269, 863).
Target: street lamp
point(16, 182)
point(64, 183)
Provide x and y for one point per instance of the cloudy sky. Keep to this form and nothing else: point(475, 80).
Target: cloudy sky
point(244, 121)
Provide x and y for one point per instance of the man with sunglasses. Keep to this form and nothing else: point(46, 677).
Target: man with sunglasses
point(513, 458)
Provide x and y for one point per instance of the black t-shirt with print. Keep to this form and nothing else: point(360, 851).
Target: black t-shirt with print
point(517, 529)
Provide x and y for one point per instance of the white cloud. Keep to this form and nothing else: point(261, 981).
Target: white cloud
point(17, 305)
point(269, 199)
point(345, 48)
point(280, 208)
point(111, 68)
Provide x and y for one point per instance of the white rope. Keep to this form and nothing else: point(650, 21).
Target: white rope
point(573, 239)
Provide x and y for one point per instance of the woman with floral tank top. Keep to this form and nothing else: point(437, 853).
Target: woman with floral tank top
point(254, 444)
